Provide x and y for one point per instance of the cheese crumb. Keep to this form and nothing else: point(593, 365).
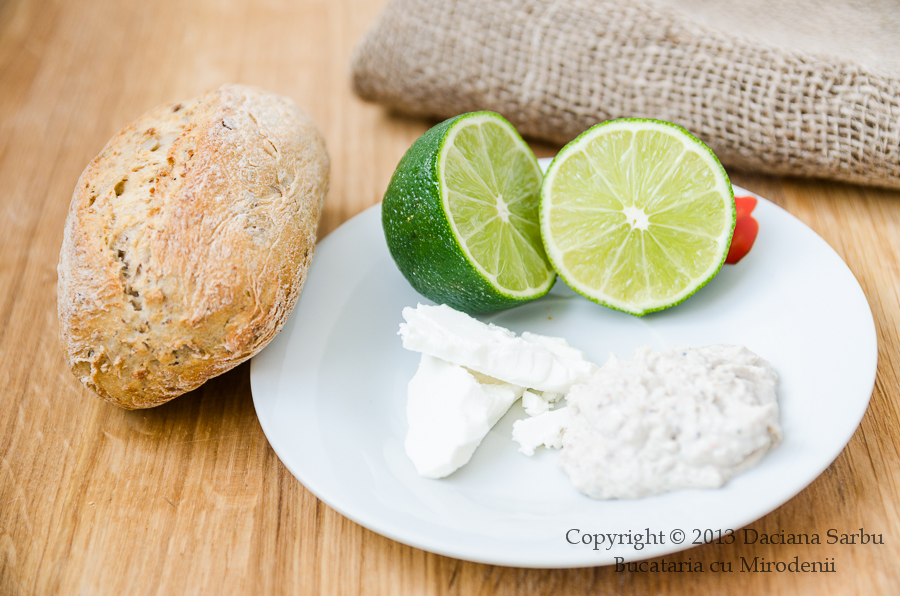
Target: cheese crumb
point(546, 429)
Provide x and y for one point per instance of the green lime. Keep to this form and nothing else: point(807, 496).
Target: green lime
point(460, 216)
point(636, 214)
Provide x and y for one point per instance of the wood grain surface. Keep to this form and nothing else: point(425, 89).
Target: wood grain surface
point(188, 498)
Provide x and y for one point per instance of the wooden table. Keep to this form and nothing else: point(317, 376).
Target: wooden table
point(189, 497)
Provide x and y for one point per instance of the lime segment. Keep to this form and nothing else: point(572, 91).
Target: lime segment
point(461, 216)
point(636, 214)
point(492, 184)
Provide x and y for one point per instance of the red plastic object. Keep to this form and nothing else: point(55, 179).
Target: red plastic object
point(745, 230)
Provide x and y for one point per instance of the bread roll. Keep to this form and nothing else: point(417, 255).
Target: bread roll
point(187, 243)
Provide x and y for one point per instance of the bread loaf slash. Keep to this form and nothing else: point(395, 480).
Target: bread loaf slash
point(187, 243)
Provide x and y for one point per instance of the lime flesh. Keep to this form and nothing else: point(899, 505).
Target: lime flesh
point(636, 214)
point(492, 184)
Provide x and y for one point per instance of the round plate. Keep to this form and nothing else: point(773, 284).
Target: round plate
point(330, 392)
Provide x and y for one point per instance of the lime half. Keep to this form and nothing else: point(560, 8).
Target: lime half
point(460, 216)
point(636, 214)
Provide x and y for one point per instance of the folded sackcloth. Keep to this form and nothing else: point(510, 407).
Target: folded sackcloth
point(797, 87)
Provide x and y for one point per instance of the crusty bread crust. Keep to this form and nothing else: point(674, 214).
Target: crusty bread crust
point(187, 243)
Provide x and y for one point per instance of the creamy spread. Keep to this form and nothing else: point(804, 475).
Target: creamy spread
point(682, 418)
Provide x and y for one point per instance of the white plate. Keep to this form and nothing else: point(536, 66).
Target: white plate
point(330, 392)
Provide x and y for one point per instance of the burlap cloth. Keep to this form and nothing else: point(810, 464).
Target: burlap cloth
point(797, 88)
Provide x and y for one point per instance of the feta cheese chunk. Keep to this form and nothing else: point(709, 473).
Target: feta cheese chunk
point(449, 413)
point(545, 429)
point(533, 361)
point(536, 403)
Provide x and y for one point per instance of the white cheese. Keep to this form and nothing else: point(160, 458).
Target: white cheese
point(683, 418)
point(533, 361)
point(449, 413)
point(545, 429)
point(536, 403)
point(550, 397)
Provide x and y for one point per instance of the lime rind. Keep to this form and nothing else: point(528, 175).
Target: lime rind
point(607, 195)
